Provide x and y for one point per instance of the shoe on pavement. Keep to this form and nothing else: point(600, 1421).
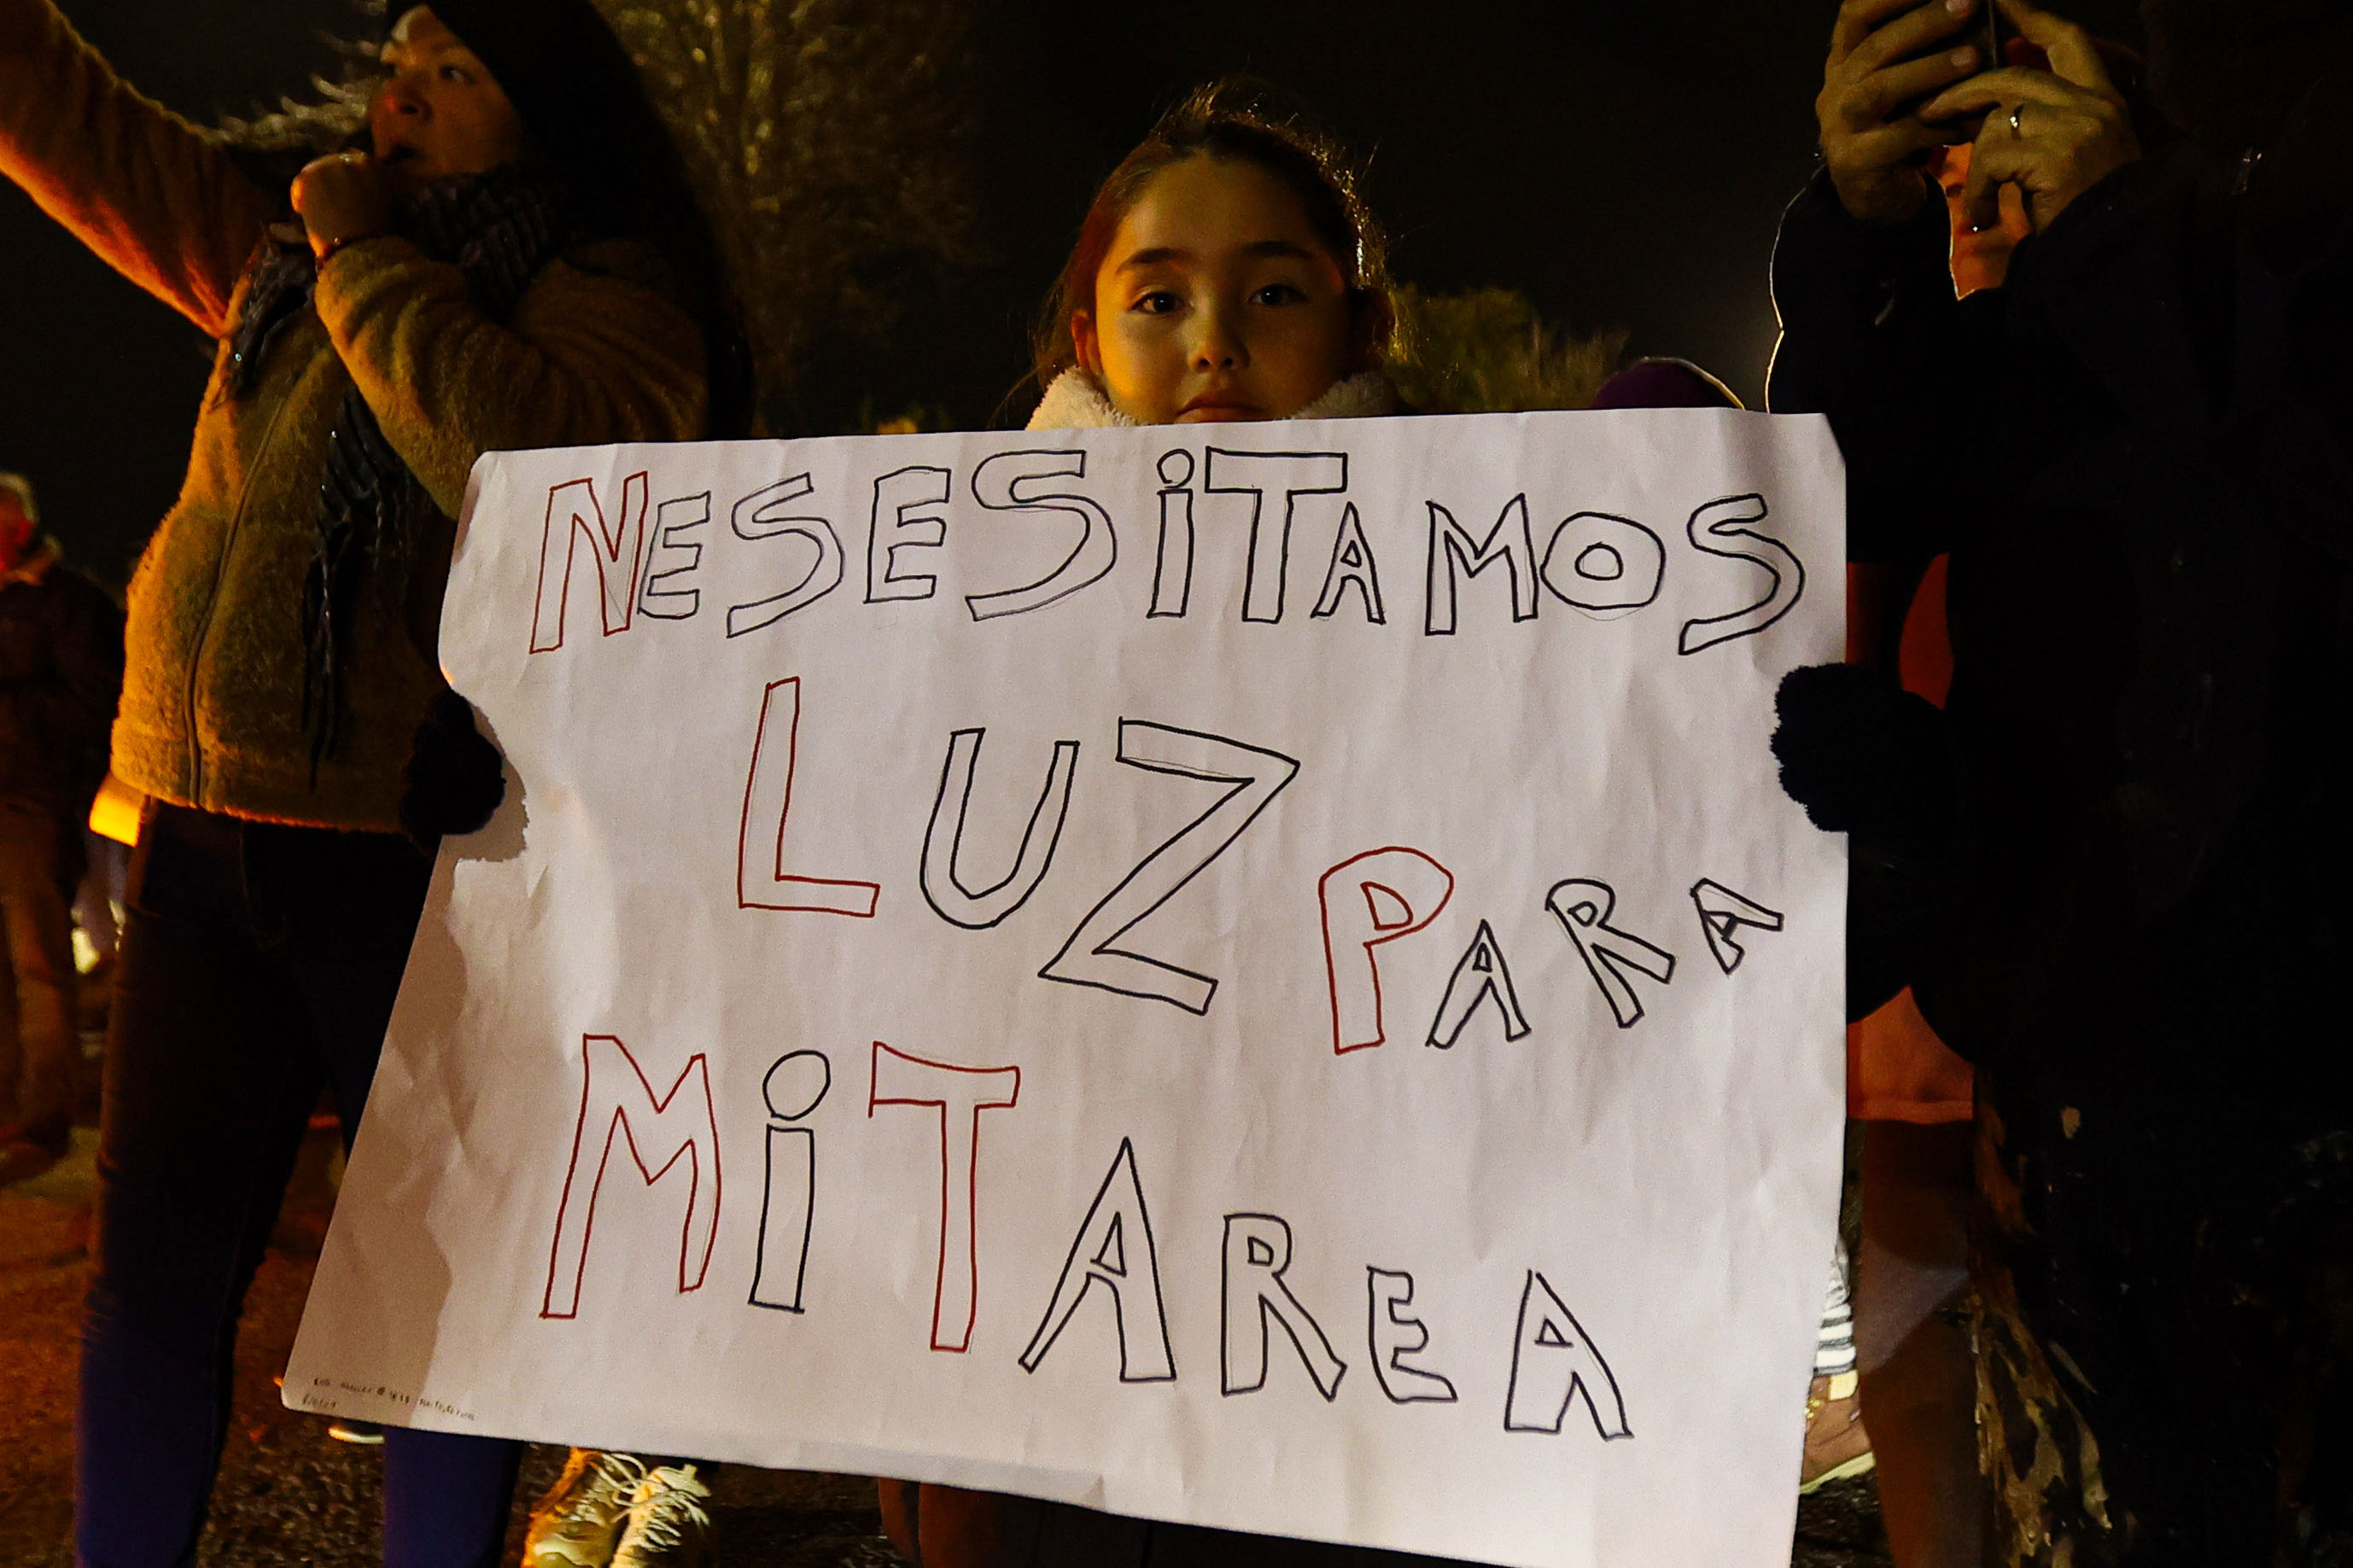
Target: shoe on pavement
point(669, 1526)
point(52, 1134)
point(1837, 1448)
point(21, 1159)
point(578, 1523)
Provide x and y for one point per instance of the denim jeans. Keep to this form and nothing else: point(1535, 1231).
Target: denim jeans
point(258, 963)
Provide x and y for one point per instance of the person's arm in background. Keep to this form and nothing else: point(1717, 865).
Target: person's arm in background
point(158, 200)
point(89, 666)
point(70, 702)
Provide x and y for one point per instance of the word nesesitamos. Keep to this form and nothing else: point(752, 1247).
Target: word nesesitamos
point(648, 559)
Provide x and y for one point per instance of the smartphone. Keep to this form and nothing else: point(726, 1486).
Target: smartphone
point(1996, 37)
point(1989, 38)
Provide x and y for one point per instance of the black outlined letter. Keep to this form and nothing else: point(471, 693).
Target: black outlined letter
point(793, 1089)
point(1257, 774)
point(1257, 475)
point(617, 549)
point(943, 888)
point(1370, 899)
point(959, 1095)
point(1722, 912)
point(1729, 519)
point(1352, 562)
point(906, 496)
point(760, 879)
point(671, 519)
point(1583, 907)
point(1479, 973)
point(1452, 546)
point(1602, 564)
point(1257, 1251)
point(1172, 569)
point(1394, 1333)
point(998, 484)
point(616, 1099)
point(1114, 1249)
point(1553, 1363)
point(756, 517)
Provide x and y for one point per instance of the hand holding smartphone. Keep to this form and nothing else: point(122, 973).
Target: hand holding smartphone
point(1996, 37)
point(1888, 59)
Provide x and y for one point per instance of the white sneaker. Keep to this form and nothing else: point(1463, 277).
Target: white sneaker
point(668, 1527)
point(578, 1523)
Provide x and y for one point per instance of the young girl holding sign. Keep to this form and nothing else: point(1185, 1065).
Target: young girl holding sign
point(1227, 270)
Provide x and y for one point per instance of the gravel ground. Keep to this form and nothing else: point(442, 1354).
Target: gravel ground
point(290, 1495)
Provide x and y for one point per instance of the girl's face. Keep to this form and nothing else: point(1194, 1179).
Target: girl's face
point(1216, 301)
point(440, 112)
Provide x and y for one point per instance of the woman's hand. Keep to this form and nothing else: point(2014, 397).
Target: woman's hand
point(342, 197)
point(1883, 57)
point(2053, 133)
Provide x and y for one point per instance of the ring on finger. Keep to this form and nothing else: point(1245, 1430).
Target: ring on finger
point(2017, 115)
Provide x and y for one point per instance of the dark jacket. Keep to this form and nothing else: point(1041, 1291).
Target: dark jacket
point(2139, 452)
point(60, 675)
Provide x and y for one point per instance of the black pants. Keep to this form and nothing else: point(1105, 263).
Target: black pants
point(40, 1055)
point(259, 963)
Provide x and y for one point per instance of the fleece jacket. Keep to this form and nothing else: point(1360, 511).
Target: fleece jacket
point(598, 351)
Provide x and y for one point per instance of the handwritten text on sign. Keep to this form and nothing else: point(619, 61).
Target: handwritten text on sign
point(1026, 960)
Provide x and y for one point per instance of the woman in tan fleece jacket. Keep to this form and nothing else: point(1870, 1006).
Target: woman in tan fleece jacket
point(474, 274)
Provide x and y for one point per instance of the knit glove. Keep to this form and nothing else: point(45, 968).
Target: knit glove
point(455, 778)
point(1868, 759)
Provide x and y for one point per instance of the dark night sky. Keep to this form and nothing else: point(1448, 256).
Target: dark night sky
point(1623, 162)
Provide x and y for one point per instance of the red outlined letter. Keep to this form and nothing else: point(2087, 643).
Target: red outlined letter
point(959, 1095)
point(676, 1127)
point(760, 879)
point(617, 552)
point(1377, 897)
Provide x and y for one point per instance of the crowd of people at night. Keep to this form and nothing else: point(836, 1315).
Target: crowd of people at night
point(2078, 317)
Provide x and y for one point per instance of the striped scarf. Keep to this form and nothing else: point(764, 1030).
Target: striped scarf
point(500, 229)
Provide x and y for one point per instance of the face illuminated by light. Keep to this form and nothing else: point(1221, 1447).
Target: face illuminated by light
point(16, 528)
point(1981, 255)
point(1216, 301)
point(440, 112)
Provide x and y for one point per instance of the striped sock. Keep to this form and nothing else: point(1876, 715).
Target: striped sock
point(1834, 1351)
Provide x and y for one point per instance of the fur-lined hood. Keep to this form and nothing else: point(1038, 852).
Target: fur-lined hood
point(1075, 403)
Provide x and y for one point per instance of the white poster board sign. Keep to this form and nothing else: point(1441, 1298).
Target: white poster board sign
point(1253, 974)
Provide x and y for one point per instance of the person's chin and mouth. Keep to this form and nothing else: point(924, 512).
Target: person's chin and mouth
point(408, 166)
point(1981, 246)
point(1219, 408)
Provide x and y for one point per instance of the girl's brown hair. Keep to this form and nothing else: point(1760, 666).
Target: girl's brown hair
point(1237, 120)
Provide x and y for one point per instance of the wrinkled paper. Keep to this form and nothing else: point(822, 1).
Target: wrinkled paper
point(1255, 975)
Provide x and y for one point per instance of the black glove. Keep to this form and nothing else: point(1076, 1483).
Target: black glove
point(1868, 759)
point(455, 778)
point(1864, 756)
